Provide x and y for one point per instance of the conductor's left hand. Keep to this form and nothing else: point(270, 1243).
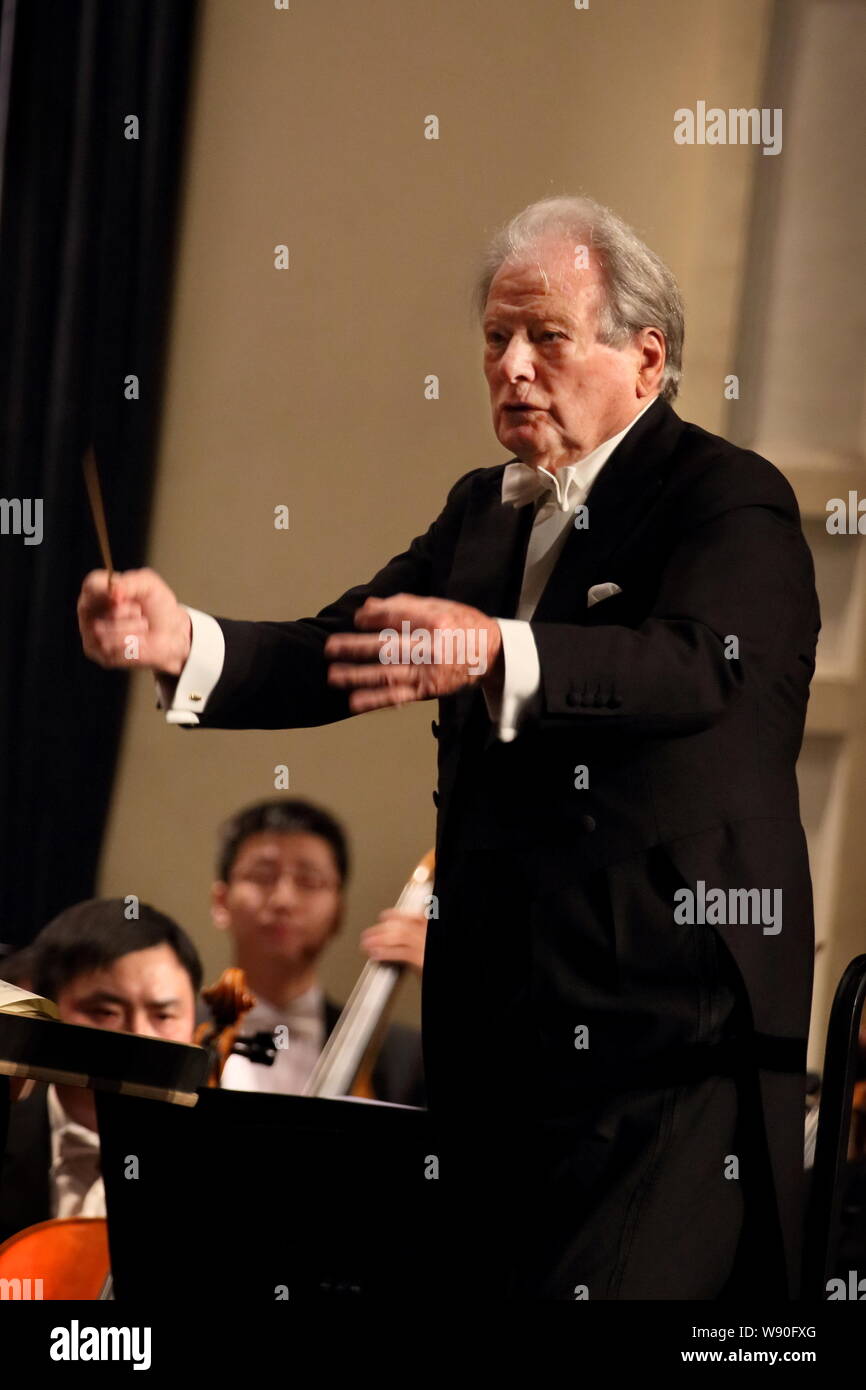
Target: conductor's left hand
point(414, 648)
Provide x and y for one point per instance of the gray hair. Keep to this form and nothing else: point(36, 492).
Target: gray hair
point(640, 290)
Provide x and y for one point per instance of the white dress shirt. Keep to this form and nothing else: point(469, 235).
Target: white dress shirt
point(75, 1180)
point(302, 1026)
point(562, 493)
point(566, 490)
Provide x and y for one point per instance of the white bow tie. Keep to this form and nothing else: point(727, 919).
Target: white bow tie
point(303, 1017)
point(521, 483)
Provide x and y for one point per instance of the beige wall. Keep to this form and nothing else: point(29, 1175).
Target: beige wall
point(804, 406)
point(305, 387)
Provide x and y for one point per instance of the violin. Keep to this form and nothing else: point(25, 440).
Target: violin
point(229, 1001)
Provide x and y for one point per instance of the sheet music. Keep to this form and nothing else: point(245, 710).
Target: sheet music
point(14, 1000)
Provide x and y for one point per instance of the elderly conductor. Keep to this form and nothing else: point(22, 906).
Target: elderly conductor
point(620, 626)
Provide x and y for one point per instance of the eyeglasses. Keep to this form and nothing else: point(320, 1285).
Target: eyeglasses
point(305, 880)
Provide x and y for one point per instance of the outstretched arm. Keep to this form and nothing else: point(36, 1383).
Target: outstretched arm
point(268, 674)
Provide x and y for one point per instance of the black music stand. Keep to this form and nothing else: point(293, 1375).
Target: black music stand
point(266, 1198)
point(166, 1075)
point(70, 1054)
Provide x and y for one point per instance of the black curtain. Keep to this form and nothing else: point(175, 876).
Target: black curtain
point(87, 219)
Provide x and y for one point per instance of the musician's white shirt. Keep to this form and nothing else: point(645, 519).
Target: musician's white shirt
point(301, 1026)
point(75, 1180)
point(185, 699)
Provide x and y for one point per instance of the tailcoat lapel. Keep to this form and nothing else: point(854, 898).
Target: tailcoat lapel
point(619, 498)
point(488, 565)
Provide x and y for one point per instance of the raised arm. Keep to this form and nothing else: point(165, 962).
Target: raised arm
point(268, 674)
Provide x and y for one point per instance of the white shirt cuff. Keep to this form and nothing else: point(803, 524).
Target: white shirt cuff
point(522, 678)
point(185, 699)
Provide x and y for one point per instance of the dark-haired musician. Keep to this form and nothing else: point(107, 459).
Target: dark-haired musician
point(104, 969)
point(282, 868)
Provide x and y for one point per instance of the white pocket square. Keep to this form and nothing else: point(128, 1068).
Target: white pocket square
point(600, 591)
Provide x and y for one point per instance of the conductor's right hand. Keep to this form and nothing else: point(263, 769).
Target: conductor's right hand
point(137, 622)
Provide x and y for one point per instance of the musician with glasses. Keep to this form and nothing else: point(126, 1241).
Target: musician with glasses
point(282, 869)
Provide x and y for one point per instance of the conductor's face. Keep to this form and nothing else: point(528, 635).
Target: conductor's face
point(556, 393)
point(282, 900)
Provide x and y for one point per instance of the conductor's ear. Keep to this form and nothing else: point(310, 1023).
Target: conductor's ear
point(218, 910)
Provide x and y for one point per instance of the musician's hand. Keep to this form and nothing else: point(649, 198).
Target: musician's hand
point(398, 937)
point(414, 649)
point(138, 623)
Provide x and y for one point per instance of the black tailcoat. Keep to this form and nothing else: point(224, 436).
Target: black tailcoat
point(622, 1091)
